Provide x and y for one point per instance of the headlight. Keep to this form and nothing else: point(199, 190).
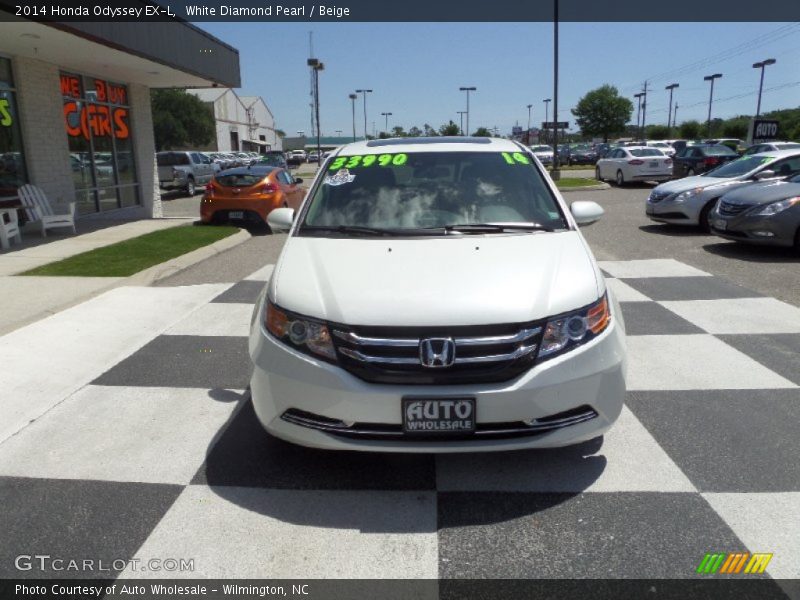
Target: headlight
point(688, 194)
point(776, 207)
point(571, 330)
point(301, 333)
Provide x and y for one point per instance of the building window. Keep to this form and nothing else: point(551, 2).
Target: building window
point(12, 156)
point(97, 120)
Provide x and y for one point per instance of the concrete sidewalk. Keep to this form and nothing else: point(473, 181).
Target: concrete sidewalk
point(27, 299)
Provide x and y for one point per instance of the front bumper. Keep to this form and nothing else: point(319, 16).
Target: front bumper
point(592, 375)
point(668, 210)
point(778, 230)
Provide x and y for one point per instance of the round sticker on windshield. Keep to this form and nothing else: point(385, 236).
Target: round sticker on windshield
point(341, 177)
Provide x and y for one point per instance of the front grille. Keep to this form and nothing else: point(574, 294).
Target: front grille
point(729, 209)
point(658, 196)
point(482, 353)
point(384, 431)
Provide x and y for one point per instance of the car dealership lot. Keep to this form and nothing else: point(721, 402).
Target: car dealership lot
point(143, 442)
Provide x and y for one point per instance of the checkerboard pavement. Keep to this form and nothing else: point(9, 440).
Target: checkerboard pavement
point(130, 433)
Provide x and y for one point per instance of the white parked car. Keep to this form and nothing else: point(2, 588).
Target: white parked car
point(662, 145)
point(543, 153)
point(436, 297)
point(634, 163)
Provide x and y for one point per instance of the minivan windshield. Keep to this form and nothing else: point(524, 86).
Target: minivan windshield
point(401, 192)
point(738, 167)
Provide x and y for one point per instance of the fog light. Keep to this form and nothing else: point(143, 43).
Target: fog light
point(763, 233)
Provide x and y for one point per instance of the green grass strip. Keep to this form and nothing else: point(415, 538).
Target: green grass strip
point(136, 254)
point(575, 182)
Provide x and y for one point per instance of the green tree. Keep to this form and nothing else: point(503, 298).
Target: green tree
point(398, 131)
point(428, 130)
point(602, 112)
point(414, 131)
point(449, 129)
point(690, 130)
point(735, 128)
point(657, 132)
point(482, 132)
point(180, 119)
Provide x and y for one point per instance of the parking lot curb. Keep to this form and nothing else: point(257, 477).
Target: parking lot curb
point(587, 188)
point(178, 264)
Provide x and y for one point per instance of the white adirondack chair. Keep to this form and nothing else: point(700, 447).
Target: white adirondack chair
point(42, 214)
point(10, 230)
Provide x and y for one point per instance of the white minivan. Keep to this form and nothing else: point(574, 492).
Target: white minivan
point(436, 295)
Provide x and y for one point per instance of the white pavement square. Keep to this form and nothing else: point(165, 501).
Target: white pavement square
point(694, 362)
point(263, 274)
point(624, 292)
point(739, 315)
point(151, 435)
point(237, 532)
point(765, 523)
point(214, 319)
point(47, 361)
point(653, 267)
point(611, 468)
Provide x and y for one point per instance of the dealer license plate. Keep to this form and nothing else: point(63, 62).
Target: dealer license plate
point(720, 224)
point(425, 415)
point(653, 164)
point(236, 214)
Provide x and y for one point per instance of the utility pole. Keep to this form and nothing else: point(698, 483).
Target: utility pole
point(670, 87)
point(528, 131)
point(311, 82)
point(675, 115)
point(316, 67)
point(644, 112)
point(638, 110)
point(386, 126)
point(461, 114)
point(547, 102)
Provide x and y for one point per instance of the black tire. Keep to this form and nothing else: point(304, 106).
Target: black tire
point(797, 242)
point(597, 174)
point(704, 224)
point(620, 178)
point(191, 189)
point(690, 172)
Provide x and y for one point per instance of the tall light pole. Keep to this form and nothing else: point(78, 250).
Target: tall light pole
point(670, 87)
point(468, 90)
point(675, 114)
point(761, 65)
point(338, 132)
point(461, 114)
point(638, 111)
point(317, 66)
point(547, 102)
point(710, 78)
point(556, 174)
point(353, 100)
point(528, 131)
point(386, 127)
point(364, 93)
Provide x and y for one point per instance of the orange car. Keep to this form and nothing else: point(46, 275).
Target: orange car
point(248, 194)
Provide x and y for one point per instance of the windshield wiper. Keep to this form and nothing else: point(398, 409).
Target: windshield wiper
point(359, 229)
point(495, 227)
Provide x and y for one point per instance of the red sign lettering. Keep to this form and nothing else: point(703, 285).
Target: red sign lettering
point(99, 120)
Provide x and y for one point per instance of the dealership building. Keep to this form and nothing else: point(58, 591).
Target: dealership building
point(75, 115)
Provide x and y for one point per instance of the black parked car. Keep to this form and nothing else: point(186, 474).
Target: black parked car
point(694, 160)
point(581, 155)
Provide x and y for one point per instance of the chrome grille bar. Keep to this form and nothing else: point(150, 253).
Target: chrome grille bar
point(394, 360)
point(520, 336)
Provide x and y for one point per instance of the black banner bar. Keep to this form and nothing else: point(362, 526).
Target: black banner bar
point(281, 11)
point(701, 588)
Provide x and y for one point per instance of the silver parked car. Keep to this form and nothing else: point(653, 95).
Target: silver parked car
point(689, 201)
point(766, 213)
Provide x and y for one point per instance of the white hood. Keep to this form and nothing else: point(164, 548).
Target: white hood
point(690, 183)
point(452, 280)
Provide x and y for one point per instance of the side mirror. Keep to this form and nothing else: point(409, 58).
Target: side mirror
point(765, 174)
point(586, 212)
point(298, 180)
point(280, 219)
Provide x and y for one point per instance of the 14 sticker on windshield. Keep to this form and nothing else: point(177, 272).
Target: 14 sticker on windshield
point(341, 177)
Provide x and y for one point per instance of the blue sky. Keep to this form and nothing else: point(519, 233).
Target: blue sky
point(416, 69)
